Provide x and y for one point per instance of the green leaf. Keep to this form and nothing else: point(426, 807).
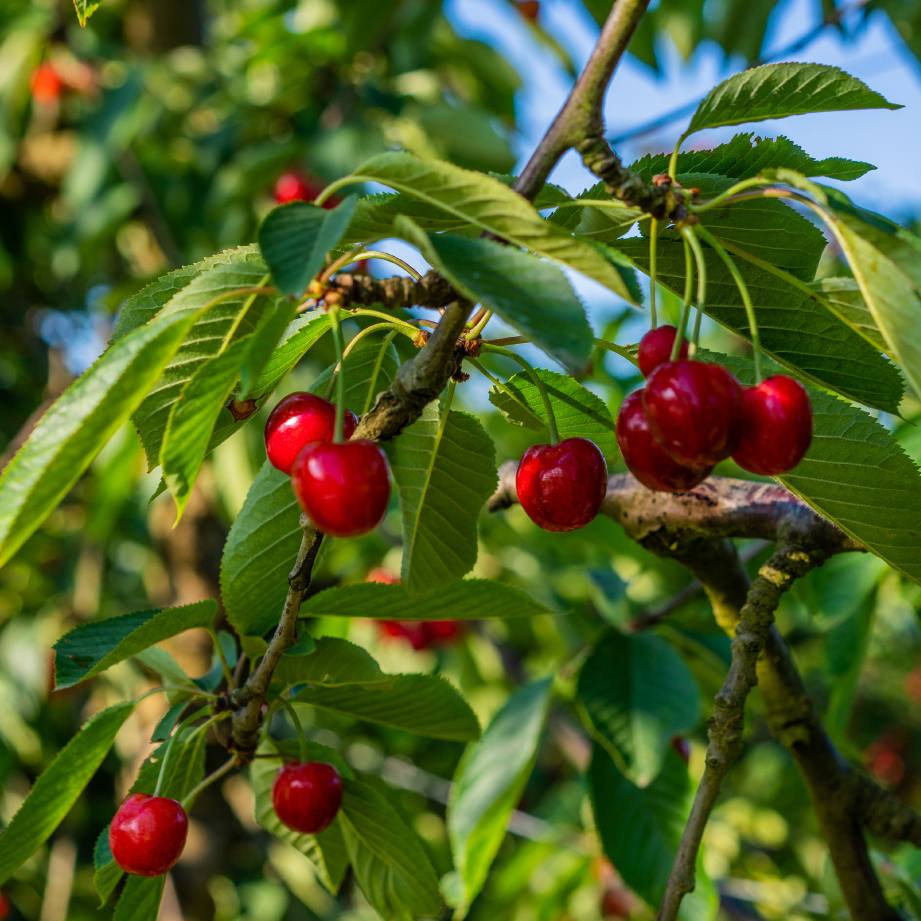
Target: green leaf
point(263, 342)
point(444, 466)
point(489, 782)
point(640, 828)
point(326, 851)
point(58, 788)
point(140, 899)
point(295, 238)
point(486, 204)
point(579, 413)
point(842, 296)
point(469, 599)
point(93, 647)
point(532, 296)
point(85, 9)
point(369, 369)
point(391, 866)
point(259, 553)
point(780, 90)
point(78, 424)
point(333, 663)
point(301, 335)
point(637, 694)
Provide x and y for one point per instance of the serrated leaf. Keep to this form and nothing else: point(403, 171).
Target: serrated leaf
point(333, 663)
point(93, 647)
point(300, 336)
point(263, 342)
point(444, 466)
point(295, 238)
point(370, 368)
point(489, 782)
point(637, 694)
point(781, 90)
point(579, 413)
point(140, 899)
point(487, 204)
point(78, 424)
point(326, 851)
point(640, 828)
point(390, 864)
point(469, 599)
point(843, 297)
point(532, 296)
point(259, 553)
point(58, 788)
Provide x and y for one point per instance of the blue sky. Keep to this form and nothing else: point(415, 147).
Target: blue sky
point(888, 139)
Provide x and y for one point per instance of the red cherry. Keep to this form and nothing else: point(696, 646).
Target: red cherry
point(693, 411)
point(383, 576)
point(645, 457)
point(296, 186)
point(682, 748)
point(4, 907)
point(147, 834)
point(530, 9)
point(656, 348)
point(616, 902)
point(443, 632)
point(775, 426)
point(299, 419)
point(46, 84)
point(344, 488)
point(413, 632)
point(561, 486)
point(307, 796)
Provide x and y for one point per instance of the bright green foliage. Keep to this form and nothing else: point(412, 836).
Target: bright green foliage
point(842, 296)
point(334, 663)
point(84, 9)
point(638, 695)
point(489, 782)
point(298, 338)
point(95, 646)
point(140, 899)
point(370, 367)
point(444, 466)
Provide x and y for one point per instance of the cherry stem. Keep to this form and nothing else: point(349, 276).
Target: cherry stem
point(744, 293)
point(618, 350)
point(189, 799)
point(686, 303)
point(701, 262)
point(727, 197)
point(288, 707)
point(653, 251)
point(176, 733)
point(538, 383)
point(346, 259)
point(477, 329)
point(499, 384)
point(336, 327)
point(404, 326)
point(219, 652)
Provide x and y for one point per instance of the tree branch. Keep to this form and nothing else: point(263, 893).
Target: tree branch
point(348, 290)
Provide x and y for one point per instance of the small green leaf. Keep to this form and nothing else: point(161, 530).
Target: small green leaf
point(58, 788)
point(780, 90)
point(638, 694)
point(469, 599)
point(445, 469)
point(391, 866)
point(579, 413)
point(301, 335)
point(93, 647)
point(489, 782)
point(85, 9)
point(295, 238)
point(532, 296)
point(140, 899)
point(333, 663)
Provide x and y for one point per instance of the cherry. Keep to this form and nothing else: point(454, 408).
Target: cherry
point(646, 458)
point(656, 348)
point(147, 834)
point(294, 185)
point(775, 426)
point(616, 902)
point(682, 748)
point(561, 486)
point(344, 488)
point(420, 634)
point(299, 419)
point(4, 907)
point(307, 796)
point(46, 83)
point(530, 9)
point(693, 411)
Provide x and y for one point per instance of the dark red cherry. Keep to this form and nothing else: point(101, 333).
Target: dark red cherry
point(561, 486)
point(147, 834)
point(656, 348)
point(344, 488)
point(307, 796)
point(299, 419)
point(693, 411)
point(646, 459)
point(294, 185)
point(775, 426)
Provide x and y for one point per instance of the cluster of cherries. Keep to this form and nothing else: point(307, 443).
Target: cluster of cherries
point(693, 414)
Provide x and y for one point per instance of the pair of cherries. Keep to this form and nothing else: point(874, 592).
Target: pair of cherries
point(148, 833)
point(693, 414)
point(343, 487)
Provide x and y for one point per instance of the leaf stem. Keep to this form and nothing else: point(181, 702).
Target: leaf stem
point(189, 799)
point(686, 302)
point(336, 327)
point(288, 707)
point(538, 383)
point(479, 326)
point(653, 251)
point(219, 652)
point(690, 235)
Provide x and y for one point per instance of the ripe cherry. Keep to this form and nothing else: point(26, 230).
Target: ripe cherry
point(344, 488)
point(562, 486)
point(307, 796)
point(294, 185)
point(693, 411)
point(299, 419)
point(147, 834)
point(47, 84)
point(656, 348)
point(646, 459)
point(775, 426)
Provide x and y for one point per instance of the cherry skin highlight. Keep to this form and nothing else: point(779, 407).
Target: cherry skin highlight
point(693, 411)
point(147, 834)
point(307, 796)
point(646, 459)
point(561, 486)
point(775, 427)
point(299, 419)
point(344, 488)
point(656, 348)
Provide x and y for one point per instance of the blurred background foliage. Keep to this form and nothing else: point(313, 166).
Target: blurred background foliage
point(155, 137)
